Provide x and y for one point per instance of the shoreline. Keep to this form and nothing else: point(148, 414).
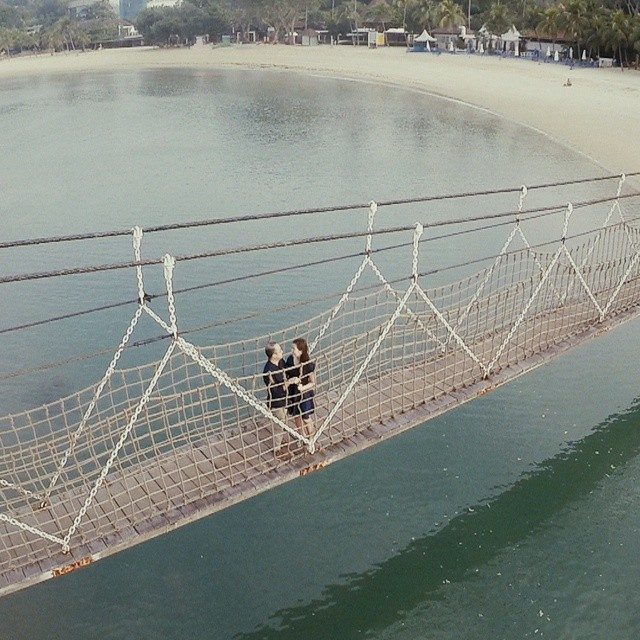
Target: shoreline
point(598, 116)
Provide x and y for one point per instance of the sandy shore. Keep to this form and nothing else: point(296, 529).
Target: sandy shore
point(599, 115)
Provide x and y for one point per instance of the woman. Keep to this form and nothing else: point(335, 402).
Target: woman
point(302, 383)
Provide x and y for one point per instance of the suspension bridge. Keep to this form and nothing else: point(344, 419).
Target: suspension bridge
point(153, 447)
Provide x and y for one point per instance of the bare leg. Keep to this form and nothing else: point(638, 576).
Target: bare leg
point(280, 438)
point(309, 426)
point(296, 445)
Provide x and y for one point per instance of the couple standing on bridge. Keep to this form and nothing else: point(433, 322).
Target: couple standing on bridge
point(290, 389)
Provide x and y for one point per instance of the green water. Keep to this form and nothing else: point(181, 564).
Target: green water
point(514, 516)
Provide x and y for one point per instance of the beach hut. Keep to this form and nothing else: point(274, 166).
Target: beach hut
point(396, 37)
point(423, 42)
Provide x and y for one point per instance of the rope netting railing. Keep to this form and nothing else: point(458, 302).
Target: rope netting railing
point(150, 439)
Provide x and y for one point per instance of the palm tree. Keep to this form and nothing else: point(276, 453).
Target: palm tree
point(618, 33)
point(635, 38)
point(422, 14)
point(499, 19)
point(575, 19)
point(532, 19)
point(550, 23)
point(451, 14)
point(7, 39)
point(382, 13)
point(594, 36)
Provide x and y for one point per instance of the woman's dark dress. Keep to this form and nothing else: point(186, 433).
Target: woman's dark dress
point(299, 404)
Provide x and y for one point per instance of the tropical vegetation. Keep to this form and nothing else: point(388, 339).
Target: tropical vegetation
point(601, 28)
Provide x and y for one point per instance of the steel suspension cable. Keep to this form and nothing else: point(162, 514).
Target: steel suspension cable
point(259, 274)
point(296, 242)
point(300, 212)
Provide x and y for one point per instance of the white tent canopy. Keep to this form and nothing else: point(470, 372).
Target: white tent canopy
point(513, 35)
point(424, 37)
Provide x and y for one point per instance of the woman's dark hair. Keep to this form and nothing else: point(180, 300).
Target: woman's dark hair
point(301, 343)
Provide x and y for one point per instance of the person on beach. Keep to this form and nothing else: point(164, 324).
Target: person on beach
point(273, 376)
point(301, 381)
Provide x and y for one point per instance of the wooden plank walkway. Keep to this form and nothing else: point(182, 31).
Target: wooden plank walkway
point(207, 475)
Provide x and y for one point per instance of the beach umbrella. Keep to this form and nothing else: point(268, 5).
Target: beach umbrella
point(548, 52)
point(556, 57)
point(584, 54)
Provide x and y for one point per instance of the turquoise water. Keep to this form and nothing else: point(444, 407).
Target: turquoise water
point(512, 517)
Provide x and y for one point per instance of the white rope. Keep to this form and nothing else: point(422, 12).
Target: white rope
point(521, 317)
point(373, 208)
point(343, 299)
point(16, 487)
point(545, 275)
point(137, 241)
point(496, 262)
point(383, 334)
point(371, 214)
point(452, 332)
point(149, 311)
point(409, 310)
point(169, 264)
point(363, 366)
point(481, 286)
point(634, 261)
point(35, 531)
point(96, 396)
point(583, 282)
point(615, 205)
point(114, 454)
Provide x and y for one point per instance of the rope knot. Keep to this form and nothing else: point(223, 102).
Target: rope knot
point(137, 237)
point(567, 216)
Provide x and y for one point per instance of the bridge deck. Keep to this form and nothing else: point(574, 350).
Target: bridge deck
point(212, 474)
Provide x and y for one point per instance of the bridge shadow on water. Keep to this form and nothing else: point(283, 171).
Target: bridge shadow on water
point(373, 600)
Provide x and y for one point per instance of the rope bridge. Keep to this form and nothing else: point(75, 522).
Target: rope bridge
point(155, 446)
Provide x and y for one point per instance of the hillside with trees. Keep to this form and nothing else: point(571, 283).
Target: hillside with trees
point(50, 24)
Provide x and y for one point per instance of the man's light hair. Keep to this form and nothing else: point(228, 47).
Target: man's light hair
point(270, 348)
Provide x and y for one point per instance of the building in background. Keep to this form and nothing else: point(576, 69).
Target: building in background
point(151, 4)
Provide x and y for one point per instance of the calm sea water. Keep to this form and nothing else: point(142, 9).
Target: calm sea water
point(515, 516)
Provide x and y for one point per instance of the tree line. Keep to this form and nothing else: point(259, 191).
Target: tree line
point(601, 28)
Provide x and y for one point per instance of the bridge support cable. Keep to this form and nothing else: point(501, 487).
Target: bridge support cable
point(527, 306)
point(368, 262)
point(137, 238)
point(615, 207)
point(490, 271)
point(376, 346)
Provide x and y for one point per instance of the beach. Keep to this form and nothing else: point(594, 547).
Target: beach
point(598, 115)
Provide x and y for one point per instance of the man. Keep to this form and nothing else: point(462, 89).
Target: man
point(274, 379)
